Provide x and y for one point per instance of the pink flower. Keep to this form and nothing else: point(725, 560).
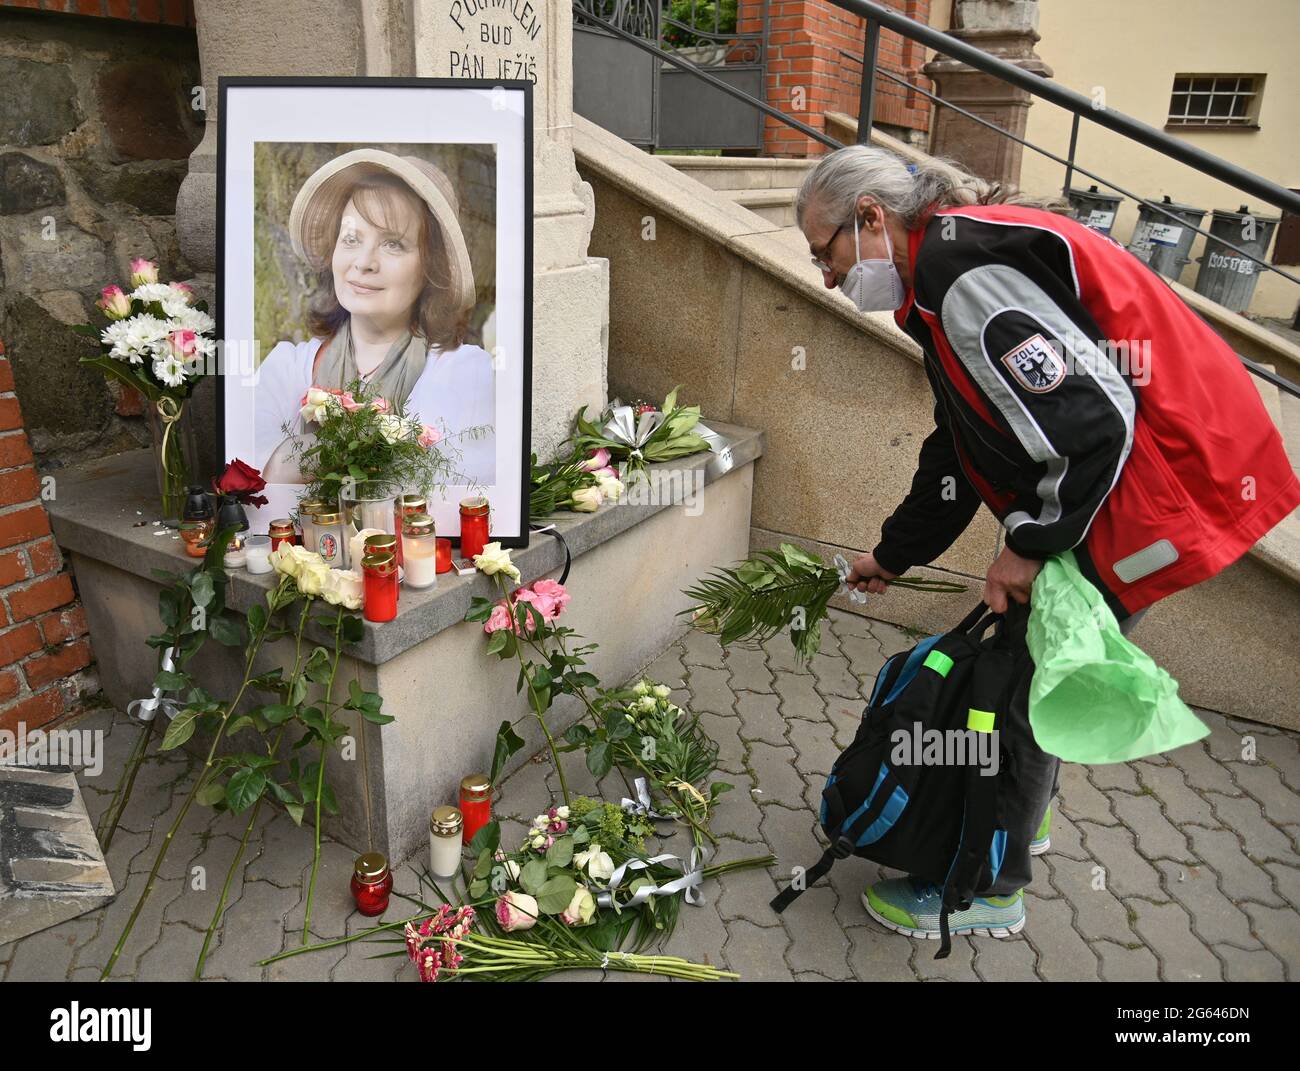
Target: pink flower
point(558, 826)
point(183, 344)
point(529, 596)
point(429, 436)
point(380, 405)
point(498, 619)
point(516, 911)
point(346, 400)
point(551, 598)
point(143, 272)
point(608, 470)
point(598, 460)
point(114, 303)
point(184, 289)
point(412, 941)
point(428, 962)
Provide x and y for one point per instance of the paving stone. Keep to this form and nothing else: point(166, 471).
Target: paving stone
point(711, 690)
point(847, 623)
point(799, 698)
point(789, 834)
point(833, 677)
point(760, 718)
point(315, 966)
point(1215, 918)
point(667, 669)
point(725, 732)
point(1098, 912)
point(776, 775)
point(1156, 837)
point(817, 943)
point(958, 967)
point(1166, 928)
point(1257, 965)
point(815, 748)
point(1007, 959)
point(1066, 839)
point(757, 953)
point(1127, 873)
point(737, 814)
point(781, 655)
point(1281, 805)
point(525, 792)
point(701, 649)
point(1125, 963)
point(195, 905)
point(144, 935)
point(1225, 742)
point(359, 964)
point(1181, 804)
point(1203, 772)
point(1079, 799)
point(747, 894)
point(1279, 930)
point(1288, 881)
point(865, 659)
point(1245, 816)
point(1282, 752)
point(700, 934)
point(1063, 955)
point(578, 778)
point(749, 670)
point(893, 639)
point(174, 957)
point(284, 853)
point(1040, 883)
point(879, 955)
point(1111, 775)
point(845, 717)
point(47, 956)
point(332, 902)
point(1239, 878)
point(252, 930)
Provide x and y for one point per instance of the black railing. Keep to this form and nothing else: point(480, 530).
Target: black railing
point(878, 16)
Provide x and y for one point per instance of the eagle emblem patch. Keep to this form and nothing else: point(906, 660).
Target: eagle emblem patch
point(1036, 366)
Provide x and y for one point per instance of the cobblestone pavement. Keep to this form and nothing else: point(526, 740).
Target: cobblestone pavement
point(1185, 866)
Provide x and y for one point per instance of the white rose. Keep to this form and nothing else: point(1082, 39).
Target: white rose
point(641, 688)
point(611, 487)
point(662, 691)
point(598, 864)
point(562, 812)
point(343, 587)
point(496, 560)
point(512, 869)
point(392, 427)
point(538, 842)
point(284, 561)
point(646, 703)
point(586, 500)
point(317, 405)
point(311, 577)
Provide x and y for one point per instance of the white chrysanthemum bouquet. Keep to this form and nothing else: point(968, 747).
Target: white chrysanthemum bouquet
point(159, 340)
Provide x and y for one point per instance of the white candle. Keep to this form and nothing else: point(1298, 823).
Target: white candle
point(421, 559)
point(357, 546)
point(236, 556)
point(258, 553)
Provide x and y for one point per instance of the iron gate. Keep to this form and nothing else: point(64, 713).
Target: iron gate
point(649, 102)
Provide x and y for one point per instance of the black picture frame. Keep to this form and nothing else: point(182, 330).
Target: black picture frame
point(518, 536)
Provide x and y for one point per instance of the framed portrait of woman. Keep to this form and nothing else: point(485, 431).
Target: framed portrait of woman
point(376, 234)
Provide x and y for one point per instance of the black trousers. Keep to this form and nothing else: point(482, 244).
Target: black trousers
point(1032, 781)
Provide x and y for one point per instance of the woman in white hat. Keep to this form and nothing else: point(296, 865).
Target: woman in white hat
point(393, 296)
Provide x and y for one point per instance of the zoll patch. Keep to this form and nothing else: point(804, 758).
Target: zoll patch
point(1036, 366)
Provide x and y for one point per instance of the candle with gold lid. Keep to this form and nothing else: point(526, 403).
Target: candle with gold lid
point(475, 803)
point(473, 526)
point(420, 551)
point(372, 883)
point(445, 842)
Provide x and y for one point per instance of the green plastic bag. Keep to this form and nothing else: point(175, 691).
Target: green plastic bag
point(1095, 697)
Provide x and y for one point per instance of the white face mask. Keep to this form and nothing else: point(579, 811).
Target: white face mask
point(874, 285)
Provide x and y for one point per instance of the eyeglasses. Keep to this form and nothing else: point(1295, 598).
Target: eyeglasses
point(821, 265)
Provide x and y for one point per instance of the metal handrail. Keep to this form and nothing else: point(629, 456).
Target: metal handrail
point(1037, 86)
point(1071, 165)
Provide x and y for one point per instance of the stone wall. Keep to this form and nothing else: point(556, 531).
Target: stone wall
point(96, 124)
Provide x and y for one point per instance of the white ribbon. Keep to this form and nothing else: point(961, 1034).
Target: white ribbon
point(842, 567)
point(642, 805)
point(691, 877)
point(147, 709)
point(625, 427)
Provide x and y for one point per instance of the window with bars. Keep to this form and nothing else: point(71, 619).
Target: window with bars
point(1215, 100)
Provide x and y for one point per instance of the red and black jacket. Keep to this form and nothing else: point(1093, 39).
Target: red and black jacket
point(1085, 404)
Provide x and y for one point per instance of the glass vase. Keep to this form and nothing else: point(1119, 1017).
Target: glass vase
point(370, 508)
point(175, 453)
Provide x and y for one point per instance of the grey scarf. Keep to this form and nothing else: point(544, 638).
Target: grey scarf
point(394, 379)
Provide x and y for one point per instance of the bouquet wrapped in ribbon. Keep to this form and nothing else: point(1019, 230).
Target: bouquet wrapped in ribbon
point(636, 439)
point(771, 590)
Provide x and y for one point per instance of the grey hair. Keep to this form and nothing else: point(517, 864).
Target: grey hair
point(904, 190)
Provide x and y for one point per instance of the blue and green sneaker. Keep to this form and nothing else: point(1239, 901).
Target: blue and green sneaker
point(911, 906)
point(1042, 842)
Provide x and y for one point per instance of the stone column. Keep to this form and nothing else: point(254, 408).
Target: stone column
point(1007, 29)
point(437, 39)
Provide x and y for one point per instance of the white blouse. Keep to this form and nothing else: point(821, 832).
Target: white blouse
point(455, 391)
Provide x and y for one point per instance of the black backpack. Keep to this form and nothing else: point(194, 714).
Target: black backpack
point(935, 821)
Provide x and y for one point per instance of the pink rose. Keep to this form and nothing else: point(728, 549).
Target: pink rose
point(143, 272)
point(346, 400)
point(516, 911)
point(182, 344)
point(529, 596)
point(551, 598)
point(380, 405)
point(429, 436)
point(598, 460)
point(608, 470)
point(498, 619)
point(114, 303)
point(184, 289)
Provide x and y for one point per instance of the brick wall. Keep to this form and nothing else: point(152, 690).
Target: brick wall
point(807, 74)
point(43, 637)
point(166, 12)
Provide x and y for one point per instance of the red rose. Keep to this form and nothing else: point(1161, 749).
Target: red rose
point(242, 482)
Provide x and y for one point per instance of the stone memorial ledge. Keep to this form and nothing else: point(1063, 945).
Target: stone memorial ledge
point(631, 561)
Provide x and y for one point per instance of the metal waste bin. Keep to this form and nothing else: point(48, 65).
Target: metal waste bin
point(1226, 276)
point(1163, 243)
point(1094, 208)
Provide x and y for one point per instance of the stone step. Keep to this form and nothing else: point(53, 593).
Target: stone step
point(740, 172)
point(775, 205)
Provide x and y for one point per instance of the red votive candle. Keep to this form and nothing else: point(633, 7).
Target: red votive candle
point(442, 555)
point(379, 579)
point(282, 531)
point(475, 804)
point(473, 526)
point(372, 883)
